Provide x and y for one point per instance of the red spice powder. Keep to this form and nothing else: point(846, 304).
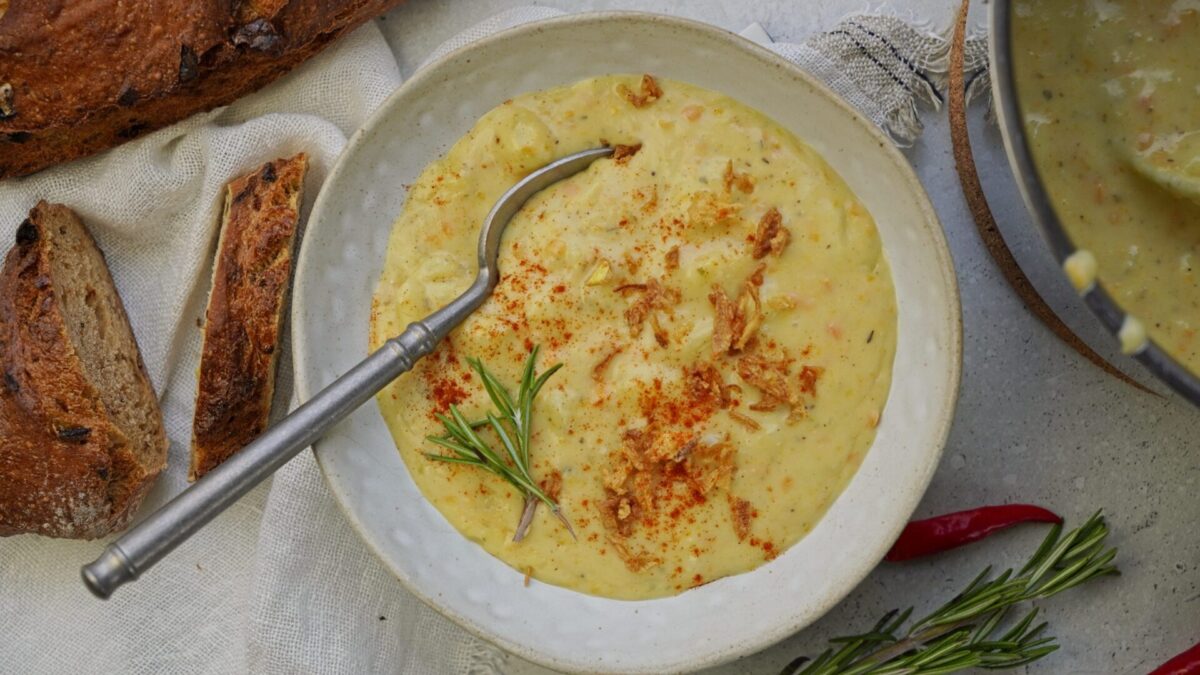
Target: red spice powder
point(808, 379)
point(769, 550)
point(674, 471)
point(439, 373)
point(672, 407)
point(445, 392)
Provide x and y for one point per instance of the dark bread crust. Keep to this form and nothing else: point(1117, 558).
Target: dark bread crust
point(66, 469)
point(81, 76)
point(245, 311)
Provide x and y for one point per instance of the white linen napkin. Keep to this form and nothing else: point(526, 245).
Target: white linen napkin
point(280, 583)
point(154, 207)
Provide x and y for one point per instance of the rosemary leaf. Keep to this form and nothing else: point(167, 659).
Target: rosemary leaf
point(963, 633)
point(511, 422)
point(503, 435)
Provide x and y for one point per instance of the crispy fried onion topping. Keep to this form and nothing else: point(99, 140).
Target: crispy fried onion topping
point(650, 92)
point(741, 512)
point(744, 420)
point(654, 296)
point(622, 153)
point(773, 378)
point(671, 260)
point(646, 473)
point(599, 368)
point(741, 181)
point(736, 323)
point(666, 465)
point(771, 237)
point(706, 386)
point(552, 484)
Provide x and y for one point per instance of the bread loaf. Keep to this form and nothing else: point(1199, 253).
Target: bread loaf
point(81, 434)
point(245, 311)
point(77, 77)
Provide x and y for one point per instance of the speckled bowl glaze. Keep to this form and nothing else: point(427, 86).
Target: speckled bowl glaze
point(341, 259)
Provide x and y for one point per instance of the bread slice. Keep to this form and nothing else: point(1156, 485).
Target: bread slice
point(245, 311)
point(81, 434)
point(81, 76)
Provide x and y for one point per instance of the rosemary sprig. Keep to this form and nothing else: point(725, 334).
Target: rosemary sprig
point(965, 632)
point(511, 422)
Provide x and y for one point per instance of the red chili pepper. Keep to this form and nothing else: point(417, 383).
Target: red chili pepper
point(942, 533)
point(1187, 663)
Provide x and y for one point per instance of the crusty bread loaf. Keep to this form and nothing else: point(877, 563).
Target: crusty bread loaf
point(82, 76)
point(81, 434)
point(245, 311)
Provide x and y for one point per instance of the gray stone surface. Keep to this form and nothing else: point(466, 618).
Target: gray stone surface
point(1035, 422)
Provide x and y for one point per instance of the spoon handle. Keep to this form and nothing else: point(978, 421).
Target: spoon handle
point(146, 543)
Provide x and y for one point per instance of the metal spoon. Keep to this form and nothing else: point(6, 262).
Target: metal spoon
point(1175, 168)
point(145, 544)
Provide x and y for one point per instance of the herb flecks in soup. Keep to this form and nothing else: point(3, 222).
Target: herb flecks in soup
point(722, 309)
point(1109, 92)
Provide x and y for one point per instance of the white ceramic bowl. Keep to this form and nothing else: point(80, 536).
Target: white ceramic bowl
point(341, 259)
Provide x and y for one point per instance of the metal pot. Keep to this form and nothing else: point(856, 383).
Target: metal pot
point(1008, 112)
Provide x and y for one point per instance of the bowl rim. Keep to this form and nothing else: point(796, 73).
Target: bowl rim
point(941, 424)
point(1037, 201)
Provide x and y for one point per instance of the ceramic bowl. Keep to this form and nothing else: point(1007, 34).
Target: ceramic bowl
point(341, 259)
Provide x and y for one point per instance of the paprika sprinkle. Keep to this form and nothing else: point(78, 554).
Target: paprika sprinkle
point(942, 533)
point(1187, 663)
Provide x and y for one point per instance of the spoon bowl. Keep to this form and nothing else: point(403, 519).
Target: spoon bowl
point(1174, 166)
point(445, 319)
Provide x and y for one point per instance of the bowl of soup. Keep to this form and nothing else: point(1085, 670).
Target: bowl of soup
point(1096, 102)
point(753, 311)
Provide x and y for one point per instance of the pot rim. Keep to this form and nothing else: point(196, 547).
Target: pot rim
point(1037, 201)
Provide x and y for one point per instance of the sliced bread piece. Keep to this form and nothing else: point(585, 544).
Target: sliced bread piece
point(81, 434)
point(80, 76)
point(245, 311)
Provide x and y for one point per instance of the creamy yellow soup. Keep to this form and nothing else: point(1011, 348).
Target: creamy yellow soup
point(1102, 84)
point(720, 303)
